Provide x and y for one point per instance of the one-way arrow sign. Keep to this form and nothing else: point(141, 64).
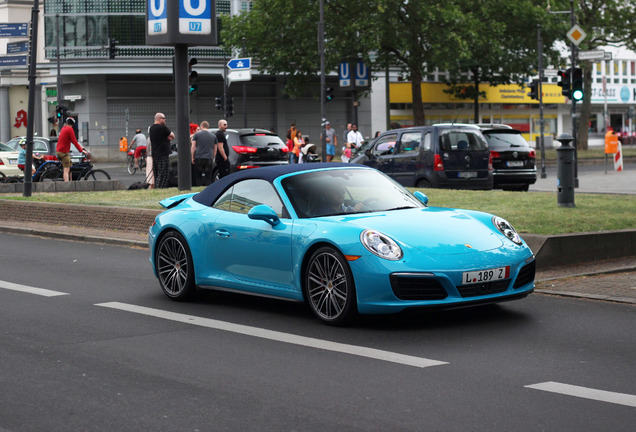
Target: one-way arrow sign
point(240, 63)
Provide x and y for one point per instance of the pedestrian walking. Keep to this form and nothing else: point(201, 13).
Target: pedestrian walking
point(354, 137)
point(221, 151)
point(63, 148)
point(203, 143)
point(332, 141)
point(160, 137)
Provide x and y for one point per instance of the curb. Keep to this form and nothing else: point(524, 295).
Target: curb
point(76, 237)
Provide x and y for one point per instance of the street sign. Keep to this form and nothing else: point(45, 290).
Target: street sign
point(344, 75)
point(13, 61)
point(240, 64)
point(608, 56)
point(195, 20)
point(362, 76)
point(14, 29)
point(592, 55)
point(157, 17)
point(576, 35)
point(240, 75)
point(550, 72)
point(17, 47)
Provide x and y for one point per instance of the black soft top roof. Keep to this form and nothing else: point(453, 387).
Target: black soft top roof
point(210, 194)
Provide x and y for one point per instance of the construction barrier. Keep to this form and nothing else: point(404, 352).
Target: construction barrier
point(618, 158)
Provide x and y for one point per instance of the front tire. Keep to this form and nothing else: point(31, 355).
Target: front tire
point(97, 175)
point(51, 174)
point(174, 267)
point(329, 287)
point(131, 165)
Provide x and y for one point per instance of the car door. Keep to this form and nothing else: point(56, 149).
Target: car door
point(253, 251)
point(381, 154)
point(406, 156)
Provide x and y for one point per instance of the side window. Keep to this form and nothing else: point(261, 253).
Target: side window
point(410, 143)
point(385, 145)
point(241, 197)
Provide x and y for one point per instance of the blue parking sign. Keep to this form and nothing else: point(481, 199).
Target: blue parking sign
point(195, 17)
point(157, 17)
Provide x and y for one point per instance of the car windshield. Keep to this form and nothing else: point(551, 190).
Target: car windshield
point(505, 140)
point(461, 140)
point(345, 191)
point(259, 140)
point(4, 147)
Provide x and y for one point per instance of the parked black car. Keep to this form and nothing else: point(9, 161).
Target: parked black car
point(439, 156)
point(513, 160)
point(249, 148)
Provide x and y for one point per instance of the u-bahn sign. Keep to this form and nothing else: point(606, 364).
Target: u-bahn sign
point(188, 22)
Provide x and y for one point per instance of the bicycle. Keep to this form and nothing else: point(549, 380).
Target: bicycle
point(79, 171)
point(130, 163)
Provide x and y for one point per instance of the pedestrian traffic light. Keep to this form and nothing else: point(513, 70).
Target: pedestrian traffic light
point(565, 83)
point(61, 112)
point(329, 94)
point(577, 84)
point(193, 76)
point(218, 103)
point(112, 48)
point(229, 107)
point(534, 90)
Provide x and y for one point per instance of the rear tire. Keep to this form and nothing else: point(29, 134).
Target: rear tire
point(423, 184)
point(174, 267)
point(51, 174)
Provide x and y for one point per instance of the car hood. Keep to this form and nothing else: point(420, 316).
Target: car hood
point(438, 231)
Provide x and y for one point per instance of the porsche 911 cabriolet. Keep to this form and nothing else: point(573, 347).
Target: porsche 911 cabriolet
point(344, 239)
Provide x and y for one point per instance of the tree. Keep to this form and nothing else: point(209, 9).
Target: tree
point(606, 22)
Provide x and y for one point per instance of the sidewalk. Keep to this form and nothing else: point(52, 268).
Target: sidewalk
point(611, 280)
point(623, 182)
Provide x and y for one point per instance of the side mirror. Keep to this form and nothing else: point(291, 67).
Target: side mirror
point(422, 197)
point(264, 213)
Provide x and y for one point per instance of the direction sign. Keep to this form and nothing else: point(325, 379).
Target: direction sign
point(608, 56)
point(592, 55)
point(17, 47)
point(13, 61)
point(240, 64)
point(576, 34)
point(239, 75)
point(14, 29)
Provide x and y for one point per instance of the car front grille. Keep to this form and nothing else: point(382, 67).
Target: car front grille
point(526, 274)
point(485, 288)
point(407, 287)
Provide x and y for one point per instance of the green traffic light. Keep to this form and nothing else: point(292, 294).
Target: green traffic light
point(577, 95)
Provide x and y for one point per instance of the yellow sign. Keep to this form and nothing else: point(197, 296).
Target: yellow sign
point(502, 94)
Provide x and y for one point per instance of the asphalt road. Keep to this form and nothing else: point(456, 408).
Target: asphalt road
point(100, 348)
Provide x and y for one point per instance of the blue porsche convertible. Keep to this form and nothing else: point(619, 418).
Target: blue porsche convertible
point(344, 239)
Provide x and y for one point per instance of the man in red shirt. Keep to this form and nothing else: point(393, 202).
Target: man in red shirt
point(63, 149)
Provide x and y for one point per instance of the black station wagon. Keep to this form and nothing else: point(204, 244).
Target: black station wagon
point(439, 156)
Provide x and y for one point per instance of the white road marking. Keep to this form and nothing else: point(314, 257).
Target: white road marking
point(31, 290)
point(278, 336)
point(586, 393)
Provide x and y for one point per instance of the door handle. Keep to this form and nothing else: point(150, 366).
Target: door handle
point(222, 233)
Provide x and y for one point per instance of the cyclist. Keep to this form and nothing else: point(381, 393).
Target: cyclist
point(138, 143)
point(63, 149)
point(22, 154)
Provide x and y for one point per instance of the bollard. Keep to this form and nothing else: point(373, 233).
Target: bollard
point(565, 171)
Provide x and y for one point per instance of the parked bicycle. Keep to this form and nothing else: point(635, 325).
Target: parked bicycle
point(130, 164)
point(79, 171)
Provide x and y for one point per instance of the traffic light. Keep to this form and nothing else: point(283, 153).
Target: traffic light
point(61, 112)
point(218, 103)
point(329, 94)
point(112, 48)
point(534, 90)
point(565, 84)
point(229, 107)
point(193, 76)
point(577, 84)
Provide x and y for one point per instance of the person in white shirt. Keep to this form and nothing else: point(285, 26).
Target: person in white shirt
point(355, 137)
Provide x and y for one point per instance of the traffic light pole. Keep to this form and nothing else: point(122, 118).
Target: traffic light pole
point(541, 121)
point(321, 50)
point(33, 45)
point(184, 159)
point(574, 122)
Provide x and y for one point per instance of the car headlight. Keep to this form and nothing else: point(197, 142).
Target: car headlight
point(506, 229)
point(381, 245)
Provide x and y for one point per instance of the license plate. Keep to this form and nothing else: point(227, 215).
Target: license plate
point(514, 164)
point(467, 174)
point(13, 161)
point(489, 275)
